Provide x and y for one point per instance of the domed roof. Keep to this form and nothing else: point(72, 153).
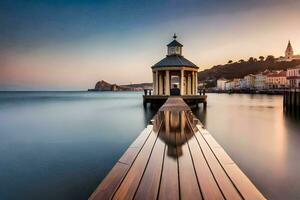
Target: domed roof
point(174, 61)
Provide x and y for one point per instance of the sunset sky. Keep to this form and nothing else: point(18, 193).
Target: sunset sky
point(69, 45)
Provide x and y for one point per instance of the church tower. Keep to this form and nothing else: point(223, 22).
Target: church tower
point(289, 53)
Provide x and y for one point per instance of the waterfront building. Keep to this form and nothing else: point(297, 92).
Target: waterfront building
point(221, 84)
point(249, 81)
point(236, 83)
point(229, 85)
point(175, 65)
point(260, 81)
point(289, 54)
point(277, 79)
point(243, 84)
point(293, 77)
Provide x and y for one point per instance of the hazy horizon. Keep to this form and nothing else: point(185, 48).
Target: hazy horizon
point(70, 45)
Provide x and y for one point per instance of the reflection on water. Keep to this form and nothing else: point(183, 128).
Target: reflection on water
point(149, 113)
point(175, 131)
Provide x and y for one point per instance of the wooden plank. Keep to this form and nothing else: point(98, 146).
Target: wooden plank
point(169, 186)
point(129, 155)
point(219, 152)
point(208, 185)
point(110, 183)
point(149, 185)
point(225, 184)
point(140, 140)
point(241, 181)
point(189, 188)
point(131, 181)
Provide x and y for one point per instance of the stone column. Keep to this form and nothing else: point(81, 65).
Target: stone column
point(189, 85)
point(181, 81)
point(196, 80)
point(167, 83)
point(156, 82)
point(160, 84)
point(194, 74)
point(193, 83)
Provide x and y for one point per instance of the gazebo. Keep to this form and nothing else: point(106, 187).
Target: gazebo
point(175, 65)
point(174, 76)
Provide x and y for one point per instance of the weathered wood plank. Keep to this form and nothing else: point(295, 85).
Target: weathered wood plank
point(131, 181)
point(189, 188)
point(110, 183)
point(169, 186)
point(225, 184)
point(149, 185)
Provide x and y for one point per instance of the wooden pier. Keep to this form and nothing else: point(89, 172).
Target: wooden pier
point(291, 100)
point(175, 158)
point(158, 100)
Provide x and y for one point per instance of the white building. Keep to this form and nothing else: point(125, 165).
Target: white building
point(293, 77)
point(236, 83)
point(221, 84)
point(249, 81)
point(229, 85)
point(260, 81)
point(243, 84)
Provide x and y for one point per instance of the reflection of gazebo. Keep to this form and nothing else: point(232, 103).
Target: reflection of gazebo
point(175, 131)
point(174, 67)
point(174, 64)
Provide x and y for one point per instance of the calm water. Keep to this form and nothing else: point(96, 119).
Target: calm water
point(59, 145)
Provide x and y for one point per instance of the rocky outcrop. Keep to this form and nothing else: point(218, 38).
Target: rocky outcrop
point(105, 86)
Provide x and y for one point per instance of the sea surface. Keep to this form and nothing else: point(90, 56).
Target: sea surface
point(60, 145)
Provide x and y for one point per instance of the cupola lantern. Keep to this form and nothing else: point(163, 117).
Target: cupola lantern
point(174, 48)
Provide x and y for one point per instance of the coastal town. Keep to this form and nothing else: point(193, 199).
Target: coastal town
point(264, 81)
point(268, 81)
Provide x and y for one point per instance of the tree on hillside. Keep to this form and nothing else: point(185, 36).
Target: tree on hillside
point(251, 59)
point(230, 61)
point(261, 58)
point(270, 59)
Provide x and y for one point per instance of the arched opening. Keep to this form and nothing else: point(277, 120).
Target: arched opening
point(175, 85)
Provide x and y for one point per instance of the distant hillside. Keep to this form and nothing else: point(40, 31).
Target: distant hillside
point(105, 86)
point(242, 68)
point(139, 85)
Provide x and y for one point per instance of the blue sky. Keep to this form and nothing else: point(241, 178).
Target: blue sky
point(97, 39)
